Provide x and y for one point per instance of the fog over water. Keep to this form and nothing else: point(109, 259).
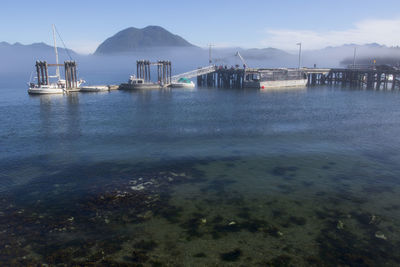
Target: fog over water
point(18, 61)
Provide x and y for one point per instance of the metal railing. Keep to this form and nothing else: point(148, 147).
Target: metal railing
point(194, 73)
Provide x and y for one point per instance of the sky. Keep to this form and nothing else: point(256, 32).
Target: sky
point(84, 24)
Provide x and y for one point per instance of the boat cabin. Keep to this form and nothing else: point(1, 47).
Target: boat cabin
point(274, 75)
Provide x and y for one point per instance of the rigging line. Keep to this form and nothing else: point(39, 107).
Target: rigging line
point(65, 47)
point(30, 77)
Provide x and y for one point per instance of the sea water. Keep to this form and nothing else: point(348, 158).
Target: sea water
point(200, 177)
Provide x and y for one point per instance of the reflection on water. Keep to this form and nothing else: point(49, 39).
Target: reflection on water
point(204, 177)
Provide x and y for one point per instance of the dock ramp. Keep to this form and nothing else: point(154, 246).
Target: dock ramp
point(194, 73)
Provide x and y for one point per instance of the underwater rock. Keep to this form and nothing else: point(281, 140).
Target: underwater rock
point(147, 215)
point(138, 187)
point(217, 219)
point(200, 255)
point(232, 255)
point(282, 171)
point(273, 231)
point(374, 220)
point(139, 256)
point(282, 260)
point(297, 220)
point(340, 225)
point(380, 235)
point(145, 245)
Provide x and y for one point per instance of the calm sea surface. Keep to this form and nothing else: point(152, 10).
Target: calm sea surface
point(201, 177)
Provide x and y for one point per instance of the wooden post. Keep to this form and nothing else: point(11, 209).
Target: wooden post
point(75, 78)
point(378, 81)
point(163, 72)
point(38, 73)
point(67, 75)
point(71, 69)
point(41, 73)
point(170, 71)
point(46, 73)
point(394, 82)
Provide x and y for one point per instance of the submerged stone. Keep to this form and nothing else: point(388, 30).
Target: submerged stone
point(297, 220)
point(138, 187)
point(282, 171)
point(232, 255)
point(145, 245)
point(340, 225)
point(380, 235)
point(200, 255)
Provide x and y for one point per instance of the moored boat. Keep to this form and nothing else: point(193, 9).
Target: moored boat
point(45, 89)
point(138, 84)
point(43, 84)
point(183, 83)
point(274, 78)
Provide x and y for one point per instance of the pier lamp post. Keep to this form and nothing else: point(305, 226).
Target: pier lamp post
point(209, 54)
point(299, 44)
point(354, 57)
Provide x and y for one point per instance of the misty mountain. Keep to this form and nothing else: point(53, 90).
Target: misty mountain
point(368, 60)
point(20, 57)
point(264, 53)
point(35, 49)
point(133, 39)
point(18, 60)
point(341, 56)
point(367, 54)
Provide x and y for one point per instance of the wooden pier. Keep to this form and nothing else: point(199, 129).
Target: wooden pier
point(71, 80)
point(164, 71)
point(222, 78)
point(373, 78)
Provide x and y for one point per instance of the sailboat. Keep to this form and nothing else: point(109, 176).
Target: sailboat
point(44, 85)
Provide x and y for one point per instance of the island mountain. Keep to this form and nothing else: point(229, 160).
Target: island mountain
point(133, 39)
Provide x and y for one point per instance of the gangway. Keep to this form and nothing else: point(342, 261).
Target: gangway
point(194, 73)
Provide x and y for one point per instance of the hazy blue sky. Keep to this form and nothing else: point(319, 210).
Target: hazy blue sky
point(84, 24)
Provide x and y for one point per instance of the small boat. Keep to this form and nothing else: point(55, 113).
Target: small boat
point(183, 83)
point(95, 88)
point(46, 89)
point(138, 84)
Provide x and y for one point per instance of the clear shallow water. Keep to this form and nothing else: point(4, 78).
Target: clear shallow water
point(202, 177)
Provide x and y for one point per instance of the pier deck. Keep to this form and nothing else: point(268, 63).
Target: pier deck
point(365, 78)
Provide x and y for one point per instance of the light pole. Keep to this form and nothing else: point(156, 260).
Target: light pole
point(209, 54)
point(299, 44)
point(354, 58)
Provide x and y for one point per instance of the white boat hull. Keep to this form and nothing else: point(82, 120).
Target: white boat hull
point(139, 86)
point(94, 88)
point(39, 91)
point(182, 85)
point(276, 84)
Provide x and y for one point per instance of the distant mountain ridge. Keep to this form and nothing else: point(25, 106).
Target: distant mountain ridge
point(132, 39)
point(16, 56)
point(35, 47)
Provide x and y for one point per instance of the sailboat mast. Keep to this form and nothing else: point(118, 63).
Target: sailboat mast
point(55, 49)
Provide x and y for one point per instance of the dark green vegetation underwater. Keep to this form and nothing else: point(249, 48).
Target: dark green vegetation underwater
point(317, 211)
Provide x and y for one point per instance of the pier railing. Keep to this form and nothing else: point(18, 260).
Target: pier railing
point(194, 73)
